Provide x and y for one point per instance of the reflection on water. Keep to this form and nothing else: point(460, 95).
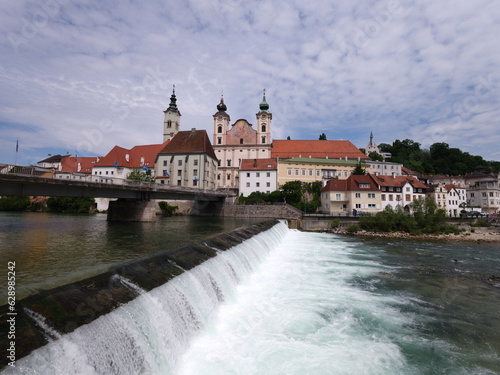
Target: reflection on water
point(55, 249)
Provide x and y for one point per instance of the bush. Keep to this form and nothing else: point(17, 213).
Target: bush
point(70, 204)
point(14, 203)
point(167, 209)
point(480, 223)
point(335, 223)
point(353, 228)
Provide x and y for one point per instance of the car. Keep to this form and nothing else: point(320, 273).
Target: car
point(476, 214)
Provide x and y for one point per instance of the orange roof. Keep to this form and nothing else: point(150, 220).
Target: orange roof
point(453, 186)
point(258, 164)
point(190, 142)
point(135, 154)
point(353, 183)
point(398, 181)
point(79, 164)
point(317, 149)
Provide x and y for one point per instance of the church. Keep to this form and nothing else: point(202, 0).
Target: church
point(238, 141)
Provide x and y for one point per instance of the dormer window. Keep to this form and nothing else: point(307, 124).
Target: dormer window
point(127, 158)
point(142, 161)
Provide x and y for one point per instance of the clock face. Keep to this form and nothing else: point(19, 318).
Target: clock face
point(263, 116)
point(220, 118)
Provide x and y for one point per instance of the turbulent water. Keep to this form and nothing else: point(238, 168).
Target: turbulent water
point(290, 302)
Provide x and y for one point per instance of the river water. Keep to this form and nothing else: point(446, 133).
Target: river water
point(291, 302)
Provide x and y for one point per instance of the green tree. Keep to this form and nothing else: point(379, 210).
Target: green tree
point(14, 203)
point(138, 174)
point(375, 156)
point(292, 193)
point(359, 170)
point(288, 138)
point(70, 204)
point(322, 137)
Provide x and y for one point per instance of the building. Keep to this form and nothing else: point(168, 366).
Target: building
point(317, 149)
point(485, 195)
point(187, 160)
point(119, 162)
point(314, 169)
point(349, 196)
point(238, 141)
point(456, 199)
point(372, 147)
point(258, 175)
point(172, 121)
point(53, 161)
point(385, 168)
point(440, 195)
point(399, 191)
point(76, 168)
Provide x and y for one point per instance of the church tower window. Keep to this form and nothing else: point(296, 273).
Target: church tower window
point(219, 129)
point(241, 141)
point(169, 124)
point(263, 128)
point(219, 140)
point(263, 139)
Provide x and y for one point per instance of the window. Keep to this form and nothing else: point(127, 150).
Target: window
point(288, 171)
point(219, 129)
point(257, 174)
point(408, 197)
point(257, 184)
point(372, 206)
point(248, 174)
point(358, 205)
point(179, 182)
point(248, 184)
point(228, 177)
point(371, 195)
point(195, 172)
point(358, 195)
point(268, 174)
point(268, 184)
point(318, 172)
point(263, 128)
point(303, 172)
point(263, 140)
point(179, 163)
point(179, 172)
point(364, 186)
point(169, 124)
point(106, 172)
point(195, 162)
point(165, 163)
point(241, 141)
point(383, 197)
point(338, 196)
point(345, 174)
point(229, 162)
point(407, 188)
point(218, 177)
point(310, 172)
point(296, 172)
point(219, 140)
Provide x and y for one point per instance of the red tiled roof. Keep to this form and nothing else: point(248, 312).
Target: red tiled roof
point(398, 181)
point(351, 184)
point(317, 149)
point(70, 164)
point(258, 164)
point(190, 142)
point(136, 153)
point(453, 186)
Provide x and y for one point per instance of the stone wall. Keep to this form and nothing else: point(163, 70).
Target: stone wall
point(281, 211)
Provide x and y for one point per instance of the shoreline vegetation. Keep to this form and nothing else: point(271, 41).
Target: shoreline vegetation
point(426, 221)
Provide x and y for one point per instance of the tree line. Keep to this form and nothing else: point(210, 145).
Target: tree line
point(440, 158)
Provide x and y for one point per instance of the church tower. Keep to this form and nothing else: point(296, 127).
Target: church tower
point(264, 118)
point(221, 123)
point(172, 119)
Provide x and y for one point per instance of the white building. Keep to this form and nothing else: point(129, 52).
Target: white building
point(258, 175)
point(400, 191)
point(456, 198)
point(485, 195)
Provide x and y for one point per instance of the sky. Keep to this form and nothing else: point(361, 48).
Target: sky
point(82, 77)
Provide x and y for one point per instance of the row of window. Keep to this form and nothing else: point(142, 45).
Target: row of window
point(257, 184)
point(179, 162)
point(263, 140)
point(257, 174)
point(219, 128)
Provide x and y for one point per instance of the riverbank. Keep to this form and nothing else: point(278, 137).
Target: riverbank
point(486, 235)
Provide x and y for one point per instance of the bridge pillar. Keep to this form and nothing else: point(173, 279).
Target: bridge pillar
point(132, 210)
point(204, 207)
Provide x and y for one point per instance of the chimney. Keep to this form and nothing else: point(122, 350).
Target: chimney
point(346, 158)
point(50, 155)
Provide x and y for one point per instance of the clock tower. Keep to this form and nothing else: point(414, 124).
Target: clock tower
point(172, 119)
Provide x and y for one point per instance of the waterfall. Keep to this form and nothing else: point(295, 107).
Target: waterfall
point(149, 334)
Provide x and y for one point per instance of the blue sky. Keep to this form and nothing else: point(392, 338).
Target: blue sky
point(81, 77)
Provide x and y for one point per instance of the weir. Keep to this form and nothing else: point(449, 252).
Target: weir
point(138, 317)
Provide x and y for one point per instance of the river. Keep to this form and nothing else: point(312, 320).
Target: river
point(291, 302)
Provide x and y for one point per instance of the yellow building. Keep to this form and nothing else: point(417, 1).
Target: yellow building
point(315, 169)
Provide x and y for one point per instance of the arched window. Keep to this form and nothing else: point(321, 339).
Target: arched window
point(241, 141)
point(263, 139)
point(219, 129)
point(263, 128)
point(219, 140)
point(169, 124)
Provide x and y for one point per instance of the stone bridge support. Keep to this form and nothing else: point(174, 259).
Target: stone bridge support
point(132, 210)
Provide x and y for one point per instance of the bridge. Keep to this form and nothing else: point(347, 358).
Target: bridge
point(135, 199)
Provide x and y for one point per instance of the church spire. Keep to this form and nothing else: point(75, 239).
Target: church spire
point(221, 107)
point(173, 101)
point(264, 106)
